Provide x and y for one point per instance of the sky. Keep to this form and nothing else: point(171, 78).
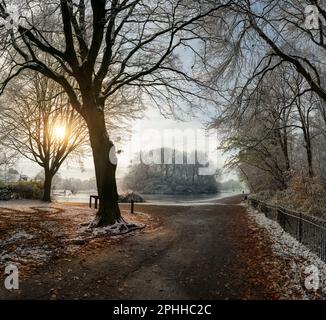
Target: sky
point(151, 132)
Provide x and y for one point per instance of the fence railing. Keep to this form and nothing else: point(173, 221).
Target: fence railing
point(308, 230)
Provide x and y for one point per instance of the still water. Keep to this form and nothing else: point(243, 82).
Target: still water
point(83, 197)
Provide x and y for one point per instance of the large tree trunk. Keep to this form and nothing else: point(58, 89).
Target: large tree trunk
point(105, 169)
point(47, 186)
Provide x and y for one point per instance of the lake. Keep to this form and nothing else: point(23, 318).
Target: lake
point(83, 197)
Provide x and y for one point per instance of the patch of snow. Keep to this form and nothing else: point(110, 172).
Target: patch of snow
point(119, 228)
point(39, 254)
point(287, 247)
point(17, 236)
point(20, 235)
point(112, 229)
point(62, 228)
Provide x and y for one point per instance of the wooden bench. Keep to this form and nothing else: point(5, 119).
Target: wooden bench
point(96, 198)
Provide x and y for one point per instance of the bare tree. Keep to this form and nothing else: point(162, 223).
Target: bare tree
point(103, 47)
point(256, 40)
point(262, 36)
point(7, 157)
point(39, 123)
point(274, 130)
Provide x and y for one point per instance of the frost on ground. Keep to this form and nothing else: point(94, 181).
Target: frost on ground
point(16, 236)
point(32, 233)
point(120, 227)
point(300, 260)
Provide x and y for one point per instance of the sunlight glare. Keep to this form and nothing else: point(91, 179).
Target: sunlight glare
point(59, 132)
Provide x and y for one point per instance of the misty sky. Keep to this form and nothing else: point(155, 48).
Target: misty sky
point(146, 134)
point(152, 120)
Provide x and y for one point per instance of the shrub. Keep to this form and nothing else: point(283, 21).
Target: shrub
point(6, 193)
point(304, 194)
point(265, 196)
point(126, 198)
point(28, 189)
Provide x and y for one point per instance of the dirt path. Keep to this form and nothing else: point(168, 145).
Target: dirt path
point(199, 252)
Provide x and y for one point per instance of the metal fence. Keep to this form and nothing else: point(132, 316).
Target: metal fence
point(308, 230)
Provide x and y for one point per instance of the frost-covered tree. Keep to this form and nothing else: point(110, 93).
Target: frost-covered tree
point(106, 50)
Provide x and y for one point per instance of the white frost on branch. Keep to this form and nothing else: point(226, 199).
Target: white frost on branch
point(13, 17)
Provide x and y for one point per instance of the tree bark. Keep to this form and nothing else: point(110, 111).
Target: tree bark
point(47, 186)
point(283, 142)
point(308, 145)
point(286, 155)
point(309, 160)
point(105, 170)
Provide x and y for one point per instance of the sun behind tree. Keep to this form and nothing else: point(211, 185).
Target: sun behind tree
point(39, 123)
point(59, 131)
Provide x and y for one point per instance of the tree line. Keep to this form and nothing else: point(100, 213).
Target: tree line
point(273, 122)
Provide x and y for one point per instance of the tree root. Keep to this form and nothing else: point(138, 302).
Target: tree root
point(120, 227)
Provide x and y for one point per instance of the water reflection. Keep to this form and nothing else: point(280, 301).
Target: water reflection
point(83, 197)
